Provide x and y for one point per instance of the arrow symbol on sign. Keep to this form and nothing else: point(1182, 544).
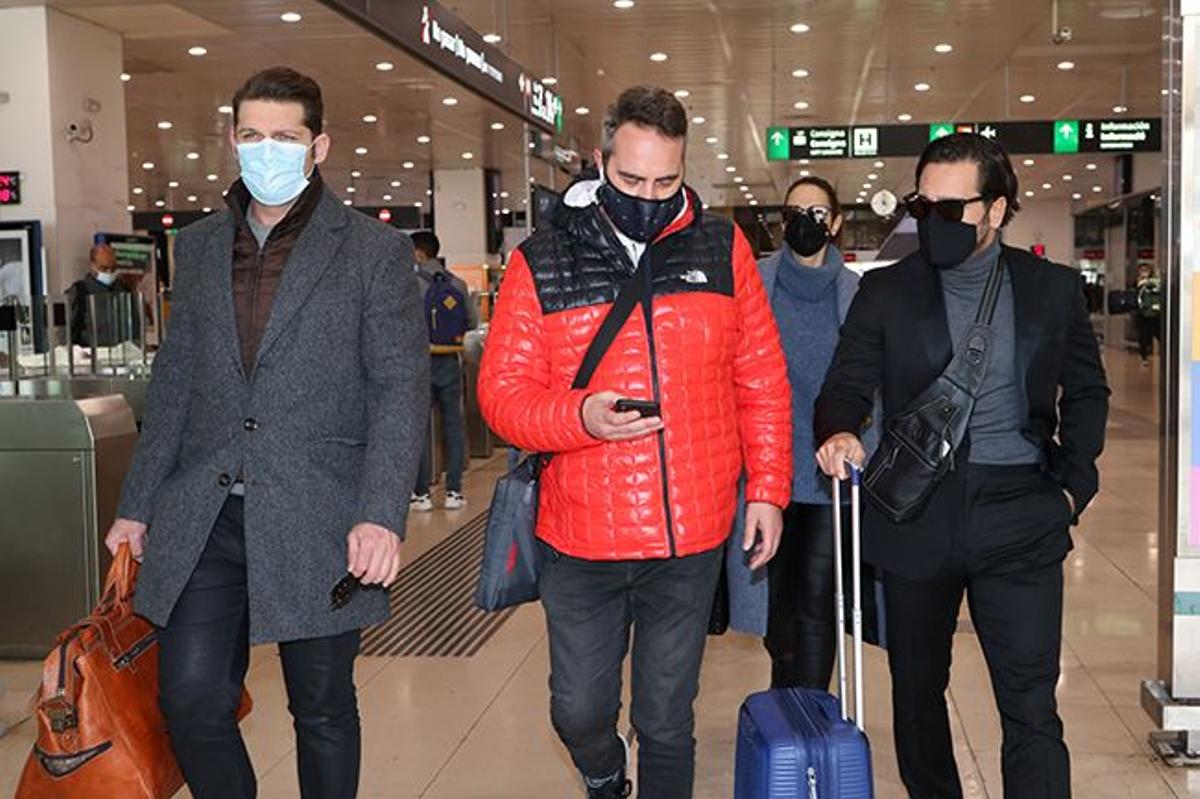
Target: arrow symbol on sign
point(777, 138)
point(1067, 131)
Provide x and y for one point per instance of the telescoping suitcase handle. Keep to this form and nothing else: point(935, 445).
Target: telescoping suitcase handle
point(840, 591)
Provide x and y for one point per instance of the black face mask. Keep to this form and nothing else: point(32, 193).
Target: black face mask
point(640, 220)
point(805, 235)
point(945, 244)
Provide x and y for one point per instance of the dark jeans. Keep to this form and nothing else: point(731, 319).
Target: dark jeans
point(447, 394)
point(203, 654)
point(591, 607)
point(800, 625)
point(1007, 557)
point(1148, 329)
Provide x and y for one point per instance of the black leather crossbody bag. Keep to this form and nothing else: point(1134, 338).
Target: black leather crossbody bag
point(919, 443)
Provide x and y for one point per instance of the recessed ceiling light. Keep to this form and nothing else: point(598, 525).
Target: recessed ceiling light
point(711, 140)
point(800, 27)
point(429, 192)
point(467, 156)
point(165, 125)
point(801, 105)
point(1076, 196)
point(290, 16)
point(370, 119)
point(138, 190)
point(1097, 189)
point(583, 110)
point(160, 203)
point(805, 162)
point(129, 208)
point(197, 51)
point(922, 87)
point(943, 48)
point(872, 176)
point(904, 117)
point(805, 173)
point(493, 38)
point(1066, 66)
point(866, 186)
point(147, 165)
point(1028, 162)
point(743, 188)
point(1091, 167)
point(126, 77)
point(224, 109)
point(731, 169)
point(192, 198)
point(395, 184)
point(423, 139)
point(739, 179)
point(1068, 178)
point(550, 80)
point(497, 126)
point(206, 210)
point(682, 94)
point(800, 72)
point(1047, 186)
point(1120, 109)
point(385, 66)
point(879, 165)
point(350, 189)
point(387, 198)
point(192, 156)
point(173, 184)
point(451, 101)
point(347, 202)
point(659, 57)
point(211, 178)
point(360, 150)
point(356, 173)
point(1029, 193)
point(722, 156)
point(623, 4)
point(504, 195)
point(698, 120)
point(1028, 98)
point(754, 202)
point(408, 165)
point(418, 204)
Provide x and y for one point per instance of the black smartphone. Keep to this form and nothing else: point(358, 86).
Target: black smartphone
point(644, 407)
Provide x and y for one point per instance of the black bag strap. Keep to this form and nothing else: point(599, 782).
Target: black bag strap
point(991, 294)
point(627, 298)
point(969, 366)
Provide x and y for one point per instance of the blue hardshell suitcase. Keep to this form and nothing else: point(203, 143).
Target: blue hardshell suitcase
point(798, 743)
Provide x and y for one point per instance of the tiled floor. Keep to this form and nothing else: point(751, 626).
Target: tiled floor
point(478, 729)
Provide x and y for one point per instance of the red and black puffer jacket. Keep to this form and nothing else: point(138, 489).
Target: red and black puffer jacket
point(712, 358)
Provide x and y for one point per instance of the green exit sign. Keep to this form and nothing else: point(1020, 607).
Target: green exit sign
point(778, 144)
point(940, 130)
point(1066, 136)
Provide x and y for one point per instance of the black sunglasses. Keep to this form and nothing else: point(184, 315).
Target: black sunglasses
point(818, 213)
point(920, 206)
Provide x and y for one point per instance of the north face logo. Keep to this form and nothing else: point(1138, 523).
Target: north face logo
point(695, 277)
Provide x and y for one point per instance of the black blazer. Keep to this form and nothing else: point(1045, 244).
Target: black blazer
point(896, 337)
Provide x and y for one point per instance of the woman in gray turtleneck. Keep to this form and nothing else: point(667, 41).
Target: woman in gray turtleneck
point(810, 290)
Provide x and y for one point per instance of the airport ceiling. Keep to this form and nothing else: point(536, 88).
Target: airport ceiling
point(739, 65)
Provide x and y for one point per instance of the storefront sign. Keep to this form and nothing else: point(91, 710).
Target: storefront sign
point(1063, 136)
point(433, 34)
point(10, 188)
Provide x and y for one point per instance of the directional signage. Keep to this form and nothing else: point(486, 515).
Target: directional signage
point(1062, 136)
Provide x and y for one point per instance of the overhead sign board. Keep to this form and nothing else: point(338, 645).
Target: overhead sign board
point(433, 34)
point(1062, 136)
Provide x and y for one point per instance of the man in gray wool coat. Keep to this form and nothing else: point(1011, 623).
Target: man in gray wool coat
point(285, 422)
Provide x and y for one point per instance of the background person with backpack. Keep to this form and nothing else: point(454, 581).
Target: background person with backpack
point(449, 314)
point(1148, 312)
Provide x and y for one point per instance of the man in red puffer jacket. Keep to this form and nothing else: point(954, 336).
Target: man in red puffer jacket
point(635, 510)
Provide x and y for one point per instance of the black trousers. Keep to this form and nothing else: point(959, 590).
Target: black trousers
point(1009, 544)
point(204, 652)
point(591, 608)
point(1148, 329)
point(801, 620)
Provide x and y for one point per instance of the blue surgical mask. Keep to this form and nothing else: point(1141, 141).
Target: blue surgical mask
point(106, 278)
point(273, 171)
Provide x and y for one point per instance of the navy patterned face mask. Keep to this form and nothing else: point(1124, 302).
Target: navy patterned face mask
point(639, 219)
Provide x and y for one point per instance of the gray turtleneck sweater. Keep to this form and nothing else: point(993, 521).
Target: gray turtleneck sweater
point(995, 426)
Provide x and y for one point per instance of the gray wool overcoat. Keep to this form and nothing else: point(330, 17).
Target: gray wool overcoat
point(326, 433)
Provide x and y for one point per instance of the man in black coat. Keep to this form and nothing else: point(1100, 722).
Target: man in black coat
point(997, 526)
point(113, 322)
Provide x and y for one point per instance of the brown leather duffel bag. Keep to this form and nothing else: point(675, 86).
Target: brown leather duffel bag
point(100, 732)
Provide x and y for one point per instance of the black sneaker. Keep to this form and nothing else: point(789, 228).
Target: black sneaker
point(616, 788)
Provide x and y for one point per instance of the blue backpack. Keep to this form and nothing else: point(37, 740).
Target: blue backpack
point(445, 311)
